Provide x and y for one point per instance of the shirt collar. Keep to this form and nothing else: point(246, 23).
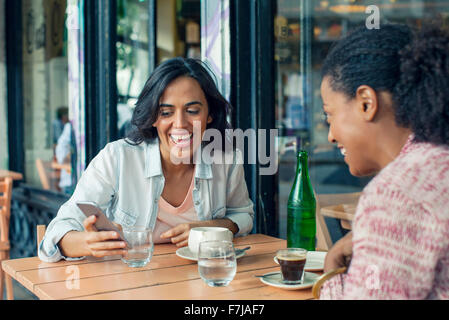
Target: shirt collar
point(153, 165)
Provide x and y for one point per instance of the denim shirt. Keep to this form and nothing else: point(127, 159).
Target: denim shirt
point(126, 181)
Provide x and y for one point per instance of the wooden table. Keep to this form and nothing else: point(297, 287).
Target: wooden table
point(14, 175)
point(344, 212)
point(165, 277)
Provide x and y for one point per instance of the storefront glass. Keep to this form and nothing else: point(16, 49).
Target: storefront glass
point(3, 113)
point(132, 57)
point(178, 29)
point(45, 92)
point(304, 31)
point(178, 34)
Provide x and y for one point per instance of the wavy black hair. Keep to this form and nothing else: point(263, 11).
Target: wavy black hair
point(147, 105)
point(412, 65)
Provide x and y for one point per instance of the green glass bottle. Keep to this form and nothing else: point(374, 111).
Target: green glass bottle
point(301, 223)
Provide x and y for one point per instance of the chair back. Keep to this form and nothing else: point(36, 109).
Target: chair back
point(45, 180)
point(316, 289)
point(5, 213)
point(48, 175)
point(40, 232)
point(324, 241)
point(323, 237)
point(5, 207)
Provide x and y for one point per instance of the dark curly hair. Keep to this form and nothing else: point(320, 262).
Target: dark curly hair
point(147, 105)
point(413, 65)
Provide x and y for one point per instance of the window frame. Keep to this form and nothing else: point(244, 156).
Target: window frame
point(13, 29)
point(252, 59)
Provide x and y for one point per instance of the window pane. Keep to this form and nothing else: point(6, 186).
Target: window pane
point(45, 90)
point(3, 115)
point(178, 29)
point(178, 34)
point(298, 111)
point(132, 57)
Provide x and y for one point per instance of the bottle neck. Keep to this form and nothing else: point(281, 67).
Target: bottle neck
point(302, 165)
point(302, 188)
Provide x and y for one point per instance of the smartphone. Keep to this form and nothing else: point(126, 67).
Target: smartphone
point(102, 223)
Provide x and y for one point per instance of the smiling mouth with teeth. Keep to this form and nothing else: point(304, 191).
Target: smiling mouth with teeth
point(181, 138)
point(343, 151)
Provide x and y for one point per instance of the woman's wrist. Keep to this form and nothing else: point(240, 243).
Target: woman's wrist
point(232, 226)
point(223, 222)
point(227, 223)
point(70, 245)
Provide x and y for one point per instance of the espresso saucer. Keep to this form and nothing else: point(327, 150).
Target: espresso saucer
point(185, 253)
point(274, 279)
point(315, 261)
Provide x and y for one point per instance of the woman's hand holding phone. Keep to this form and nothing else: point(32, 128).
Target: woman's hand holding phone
point(102, 243)
point(92, 242)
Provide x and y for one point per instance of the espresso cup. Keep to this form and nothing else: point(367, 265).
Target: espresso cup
point(292, 262)
point(200, 234)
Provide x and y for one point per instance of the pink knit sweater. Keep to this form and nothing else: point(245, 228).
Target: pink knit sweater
point(401, 231)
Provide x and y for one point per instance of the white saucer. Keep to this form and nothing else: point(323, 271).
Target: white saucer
point(274, 279)
point(185, 253)
point(314, 262)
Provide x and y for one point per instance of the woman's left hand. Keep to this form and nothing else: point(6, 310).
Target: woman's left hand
point(340, 254)
point(180, 234)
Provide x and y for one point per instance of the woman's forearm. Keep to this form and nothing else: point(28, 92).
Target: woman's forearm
point(71, 246)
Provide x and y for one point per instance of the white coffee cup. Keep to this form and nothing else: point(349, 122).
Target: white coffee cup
point(200, 234)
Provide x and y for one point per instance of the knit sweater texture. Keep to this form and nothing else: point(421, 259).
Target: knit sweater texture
point(401, 231)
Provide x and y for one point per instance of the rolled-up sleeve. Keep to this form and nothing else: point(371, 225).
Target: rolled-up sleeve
point(239, 207)
point(48, 248)
point(333, 288)
point(97, 184)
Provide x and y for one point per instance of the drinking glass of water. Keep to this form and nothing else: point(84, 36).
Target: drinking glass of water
point(140, 246)
point(217, 264)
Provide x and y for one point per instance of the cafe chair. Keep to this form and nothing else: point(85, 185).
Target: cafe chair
point(40, 232)
point(5, 212)
point(316, 289)
point(324, 241)
point(48, 175)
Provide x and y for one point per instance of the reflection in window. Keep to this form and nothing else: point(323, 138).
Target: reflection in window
point(178, 29)
point(298, 110)
point(178, 34)
point(132, 57)
point(45, 93)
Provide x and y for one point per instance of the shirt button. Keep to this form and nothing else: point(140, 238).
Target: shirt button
point(197, 203)
point(155, 200)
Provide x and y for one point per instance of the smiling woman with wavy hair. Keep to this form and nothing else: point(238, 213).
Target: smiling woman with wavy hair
point(138, 181)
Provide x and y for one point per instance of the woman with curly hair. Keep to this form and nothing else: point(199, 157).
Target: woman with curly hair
point(385, 94)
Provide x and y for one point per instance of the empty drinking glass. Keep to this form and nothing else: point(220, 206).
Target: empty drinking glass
point(140, 246)
point(217, 264)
